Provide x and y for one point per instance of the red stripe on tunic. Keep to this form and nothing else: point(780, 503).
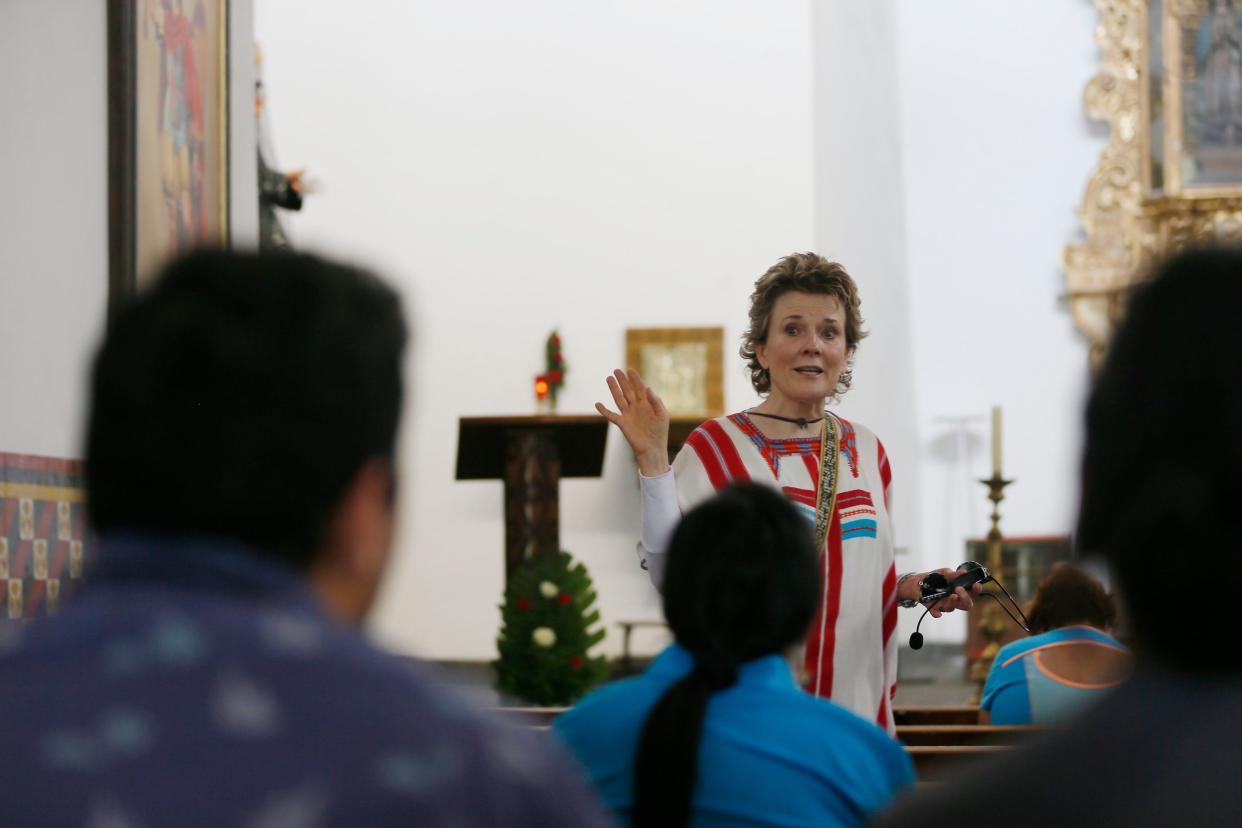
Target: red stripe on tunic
point(886, 471)
point(821, 648)
point(806, 497)
point(717, 437)
point(702, 446)
point(854, 497)
point(812, 468)
point(888, 600)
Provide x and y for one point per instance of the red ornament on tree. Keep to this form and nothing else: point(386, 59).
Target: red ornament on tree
point(564, 599)
point(521, 604)
point(575, 661)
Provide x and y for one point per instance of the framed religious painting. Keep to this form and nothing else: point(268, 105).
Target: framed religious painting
point(1192, 103)
point(683, 365)
point(1170, 86)
point(168, 156)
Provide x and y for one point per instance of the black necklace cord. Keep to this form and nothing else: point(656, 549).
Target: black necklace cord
point(801, 422)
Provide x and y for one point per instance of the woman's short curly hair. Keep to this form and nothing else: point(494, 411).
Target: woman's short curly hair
point(806, 273)
point(1070, 596)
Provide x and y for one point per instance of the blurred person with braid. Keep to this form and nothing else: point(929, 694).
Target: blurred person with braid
point(716, 732)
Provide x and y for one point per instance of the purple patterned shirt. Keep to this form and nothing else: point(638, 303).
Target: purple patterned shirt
point(193, 684)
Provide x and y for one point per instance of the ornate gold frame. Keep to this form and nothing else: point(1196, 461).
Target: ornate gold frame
point(713, 371)
point(1130, 221)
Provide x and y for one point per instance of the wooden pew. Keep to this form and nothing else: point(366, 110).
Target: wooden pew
point(966, 714)
point(933, 763)
point(947, 735)
point(964, 735)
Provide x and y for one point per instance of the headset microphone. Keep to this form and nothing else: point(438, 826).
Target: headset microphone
point(916, 637)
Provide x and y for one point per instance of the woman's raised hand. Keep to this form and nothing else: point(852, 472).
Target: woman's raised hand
point(642, 418)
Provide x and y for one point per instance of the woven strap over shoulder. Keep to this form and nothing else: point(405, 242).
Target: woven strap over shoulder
point(826, 496)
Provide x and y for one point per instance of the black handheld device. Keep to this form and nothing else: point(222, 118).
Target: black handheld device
point(936, 586)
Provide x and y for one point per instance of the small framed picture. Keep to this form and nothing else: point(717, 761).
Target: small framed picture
point(683, 365)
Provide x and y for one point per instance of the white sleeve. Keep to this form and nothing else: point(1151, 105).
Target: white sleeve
point(660, 516)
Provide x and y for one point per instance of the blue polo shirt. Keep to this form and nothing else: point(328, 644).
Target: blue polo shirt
point(770, 753)
point(1020, 691)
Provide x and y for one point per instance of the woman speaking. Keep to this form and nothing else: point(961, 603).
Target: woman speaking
point(804, 328)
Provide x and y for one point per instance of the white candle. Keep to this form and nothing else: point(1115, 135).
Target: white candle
point(996, 440)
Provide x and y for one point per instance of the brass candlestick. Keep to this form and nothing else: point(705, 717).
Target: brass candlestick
point(992, 621)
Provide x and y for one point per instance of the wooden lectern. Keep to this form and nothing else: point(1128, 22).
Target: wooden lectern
point(531, 455)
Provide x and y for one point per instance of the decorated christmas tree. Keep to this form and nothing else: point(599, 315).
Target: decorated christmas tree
point(546, 632)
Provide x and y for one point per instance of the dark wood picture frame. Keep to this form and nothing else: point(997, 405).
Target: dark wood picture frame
point(122, 148)
point(124, 209)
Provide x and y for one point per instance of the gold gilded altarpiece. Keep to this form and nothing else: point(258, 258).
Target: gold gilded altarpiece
point(1170, 88)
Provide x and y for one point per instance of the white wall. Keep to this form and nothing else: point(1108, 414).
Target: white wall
point(596, 166)
point(243, 170)
point(518, 166)
point(53, 217)
point(996, 151)
point(54, 209)
point(859, 221)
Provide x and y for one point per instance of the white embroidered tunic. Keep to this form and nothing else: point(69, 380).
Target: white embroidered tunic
point(851, 651)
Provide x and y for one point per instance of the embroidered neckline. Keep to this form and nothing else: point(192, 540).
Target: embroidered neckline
point(747, 424)
point(772, 449)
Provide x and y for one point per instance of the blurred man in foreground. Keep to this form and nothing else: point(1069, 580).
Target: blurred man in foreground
point(241, 472)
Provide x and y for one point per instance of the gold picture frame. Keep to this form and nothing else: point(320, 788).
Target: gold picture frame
point(1192, 104)
point(685, 366)
point(1166, 96)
